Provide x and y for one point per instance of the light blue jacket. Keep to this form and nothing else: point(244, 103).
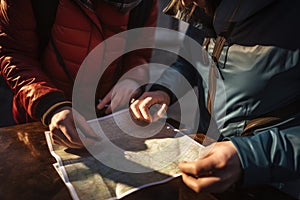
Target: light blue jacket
point(259, 72)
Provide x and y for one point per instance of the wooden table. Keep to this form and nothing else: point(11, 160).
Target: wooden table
point(26, 172)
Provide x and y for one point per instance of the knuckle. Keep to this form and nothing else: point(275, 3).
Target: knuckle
point(141, 106)
point(194, 170)
point(149, 98)
point(197, 186)
point(51, 127)
point(59, 122)
point(132, 107)
point(135, 104)
point(221, 163)
point(146, 94)
point(74, 140)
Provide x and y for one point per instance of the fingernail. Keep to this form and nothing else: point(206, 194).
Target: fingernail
point(132, 100)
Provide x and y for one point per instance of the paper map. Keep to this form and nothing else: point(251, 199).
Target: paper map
point(87, 178)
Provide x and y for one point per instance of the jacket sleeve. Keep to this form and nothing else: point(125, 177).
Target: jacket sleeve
point(270, 156)
point(141, 57)
point(19, 59)
point(182, 75)
point(238, 10)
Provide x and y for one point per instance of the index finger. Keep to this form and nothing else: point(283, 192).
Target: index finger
point(199, 168)
point(136, 111)
point(104, 101)
point(204, 184)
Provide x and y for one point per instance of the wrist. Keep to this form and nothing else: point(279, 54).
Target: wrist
point(165, 96)
point(166, 92)
point(46, 117)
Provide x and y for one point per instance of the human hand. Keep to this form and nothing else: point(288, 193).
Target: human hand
point(140, 109)
point(119, 96)
point(216, 172)
point(63, 131)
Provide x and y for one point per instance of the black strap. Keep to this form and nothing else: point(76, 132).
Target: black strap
point(61, 61)
point(137, 19)
point(272, 118)
point(214, 70)
point(139, 15)
point(44, 12)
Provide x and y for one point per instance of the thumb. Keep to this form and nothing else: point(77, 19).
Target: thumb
point(199, 168)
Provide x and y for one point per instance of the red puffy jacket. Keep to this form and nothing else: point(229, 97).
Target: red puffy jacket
point(38, 85)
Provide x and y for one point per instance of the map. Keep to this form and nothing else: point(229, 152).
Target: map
point(128, 158)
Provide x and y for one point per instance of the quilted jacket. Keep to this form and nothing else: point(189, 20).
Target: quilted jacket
point(78, 28)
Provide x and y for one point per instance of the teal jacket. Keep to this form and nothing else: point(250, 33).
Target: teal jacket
point(259, 72)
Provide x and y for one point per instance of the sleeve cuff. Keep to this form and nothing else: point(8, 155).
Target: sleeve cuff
point(156, 87)
point(46, 118)
point(47, 102)
point(255, 163)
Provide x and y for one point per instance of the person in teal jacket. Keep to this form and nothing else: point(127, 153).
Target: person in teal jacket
point(259, 67)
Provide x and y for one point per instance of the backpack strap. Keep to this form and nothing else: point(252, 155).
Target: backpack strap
point(137, 19)
point(139, 15)
point(272, 118)
point(44, 12)
point(61, 61)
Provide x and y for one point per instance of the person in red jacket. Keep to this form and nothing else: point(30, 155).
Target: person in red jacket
point(42, 86)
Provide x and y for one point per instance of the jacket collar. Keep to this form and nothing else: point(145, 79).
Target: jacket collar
point(236, 11)
point(86, 3)
point(87, 7)
point(193, 15)
point(228, 11)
